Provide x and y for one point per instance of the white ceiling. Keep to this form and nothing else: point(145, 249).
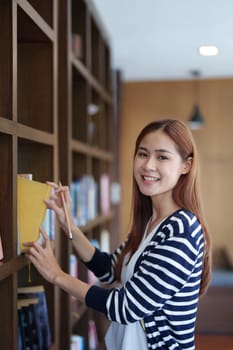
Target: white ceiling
point(159, 39)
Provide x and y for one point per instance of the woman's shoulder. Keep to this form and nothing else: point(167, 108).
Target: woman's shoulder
point(182, 222)
point(185, 216)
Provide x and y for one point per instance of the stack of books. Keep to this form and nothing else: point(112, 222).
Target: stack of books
point(33, 321)
point(84, 193)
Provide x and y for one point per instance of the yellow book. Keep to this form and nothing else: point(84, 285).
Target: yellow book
point(31, 208)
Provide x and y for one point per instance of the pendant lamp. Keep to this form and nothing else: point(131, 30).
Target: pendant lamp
point(196, 121)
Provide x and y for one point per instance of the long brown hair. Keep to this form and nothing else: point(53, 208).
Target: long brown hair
point(186, 194)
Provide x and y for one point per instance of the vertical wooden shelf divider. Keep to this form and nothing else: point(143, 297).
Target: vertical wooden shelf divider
point(86, 108)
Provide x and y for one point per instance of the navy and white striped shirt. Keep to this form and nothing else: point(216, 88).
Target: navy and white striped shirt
point(164, 289)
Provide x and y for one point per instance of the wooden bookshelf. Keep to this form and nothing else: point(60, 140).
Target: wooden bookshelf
point(28, 138)
point(56, 122)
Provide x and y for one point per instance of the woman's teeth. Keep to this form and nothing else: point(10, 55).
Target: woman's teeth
point(150, 178)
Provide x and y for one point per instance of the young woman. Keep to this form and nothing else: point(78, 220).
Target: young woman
point(163, 266)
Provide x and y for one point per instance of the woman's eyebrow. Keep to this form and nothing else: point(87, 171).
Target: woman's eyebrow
point(162, 150)
point(157, 150)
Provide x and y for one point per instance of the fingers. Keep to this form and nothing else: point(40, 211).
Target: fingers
point(35, 251)
point(54, 203)
point(45, 236)
point(37, 247)
point(60, 201)
point(42, 257)
point(38, 256)
point(27, 246)
point(58, 189)
point(52, 184)
point(65, 191)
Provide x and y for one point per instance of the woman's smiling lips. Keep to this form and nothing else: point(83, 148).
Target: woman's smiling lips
point(150, 179)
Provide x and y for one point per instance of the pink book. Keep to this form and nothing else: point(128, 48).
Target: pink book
point(104, 193)
point(1, 250)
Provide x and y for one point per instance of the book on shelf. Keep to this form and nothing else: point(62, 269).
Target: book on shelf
point(115, 193)
point(32, 211)
point(28, 331)
point(35, 315)
point(77, 45)
point(73, 271)
point(1, 250)
point(104, 193)
point(73, 265)
point(105, 241)
point(77, 342)
point(84, 194)
point(92, 335)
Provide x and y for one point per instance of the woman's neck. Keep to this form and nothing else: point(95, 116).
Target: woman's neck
point(160, 212)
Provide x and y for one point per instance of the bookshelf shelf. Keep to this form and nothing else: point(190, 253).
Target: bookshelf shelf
point(13, 265)
point(13, 128)
point(32, 14)
point(98, 221)
point(35, 135)
point(81, 68)
point(7, 126)
point(39, 9)
point(88, 150)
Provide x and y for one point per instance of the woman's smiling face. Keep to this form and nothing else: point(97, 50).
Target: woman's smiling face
point(158, 164)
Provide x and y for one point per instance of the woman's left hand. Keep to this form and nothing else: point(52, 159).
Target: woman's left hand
point(43, 258)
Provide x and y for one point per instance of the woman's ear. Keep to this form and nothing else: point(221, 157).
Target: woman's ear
point(187, 165)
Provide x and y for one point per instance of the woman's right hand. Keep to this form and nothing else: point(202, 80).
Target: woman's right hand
point(55, 203)
point(80, 242)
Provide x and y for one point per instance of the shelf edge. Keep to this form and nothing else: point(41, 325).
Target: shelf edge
point(12, 266)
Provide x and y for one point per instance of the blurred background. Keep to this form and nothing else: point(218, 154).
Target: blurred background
point(157, 48)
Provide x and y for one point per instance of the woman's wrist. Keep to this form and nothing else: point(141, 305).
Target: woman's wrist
point(73, 226)
point(59, 278)
point(72, 285)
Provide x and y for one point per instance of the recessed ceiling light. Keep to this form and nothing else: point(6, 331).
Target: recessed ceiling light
point(208, 50)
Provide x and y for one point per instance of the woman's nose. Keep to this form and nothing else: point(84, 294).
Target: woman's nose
point(150, 163)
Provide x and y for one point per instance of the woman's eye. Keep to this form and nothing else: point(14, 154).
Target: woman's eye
point(142, 154)
point(162, 158)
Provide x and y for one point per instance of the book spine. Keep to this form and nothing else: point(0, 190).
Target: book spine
point(105, 241)
point(104, 193)
point(84, 194)
point(77, 342)
point(1, 250)
point(92, 335)
point(52, 221)
point(28, 176)
point(77, 45)
point(25, 327)
point(46, 225)
point(21, 336)
point(73, 270)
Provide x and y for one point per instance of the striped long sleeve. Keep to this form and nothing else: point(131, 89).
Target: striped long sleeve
point(164, 288)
